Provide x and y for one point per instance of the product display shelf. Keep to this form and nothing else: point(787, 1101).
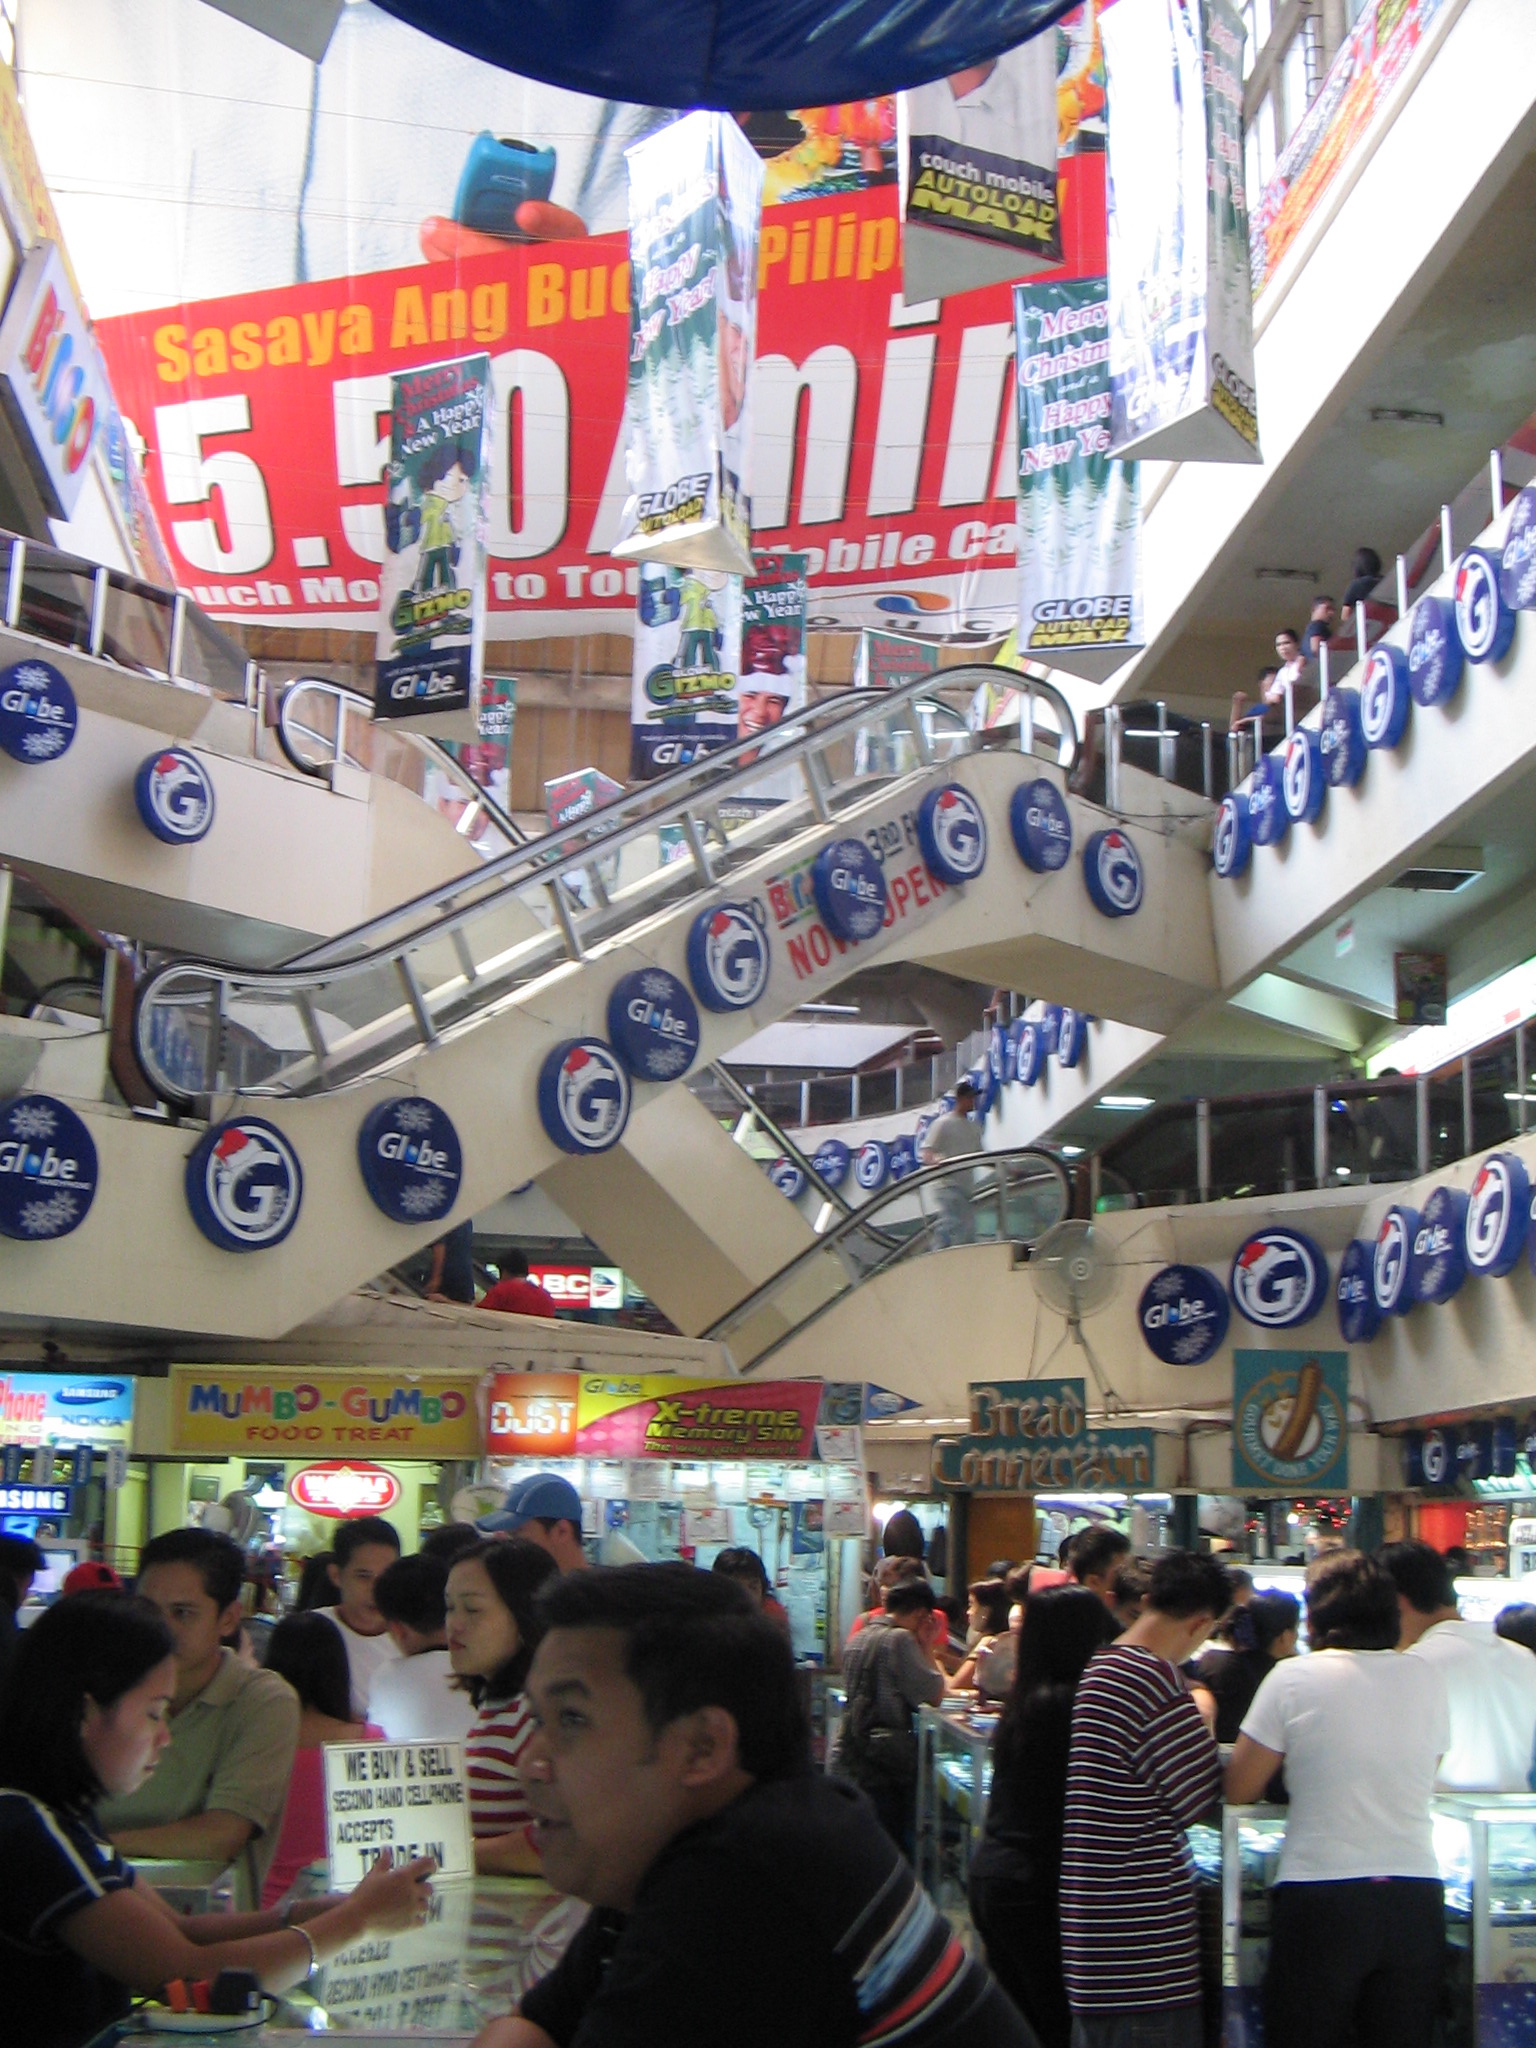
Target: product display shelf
point(954, 1775)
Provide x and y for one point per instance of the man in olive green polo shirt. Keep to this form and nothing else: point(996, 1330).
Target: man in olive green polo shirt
point(217, 1792)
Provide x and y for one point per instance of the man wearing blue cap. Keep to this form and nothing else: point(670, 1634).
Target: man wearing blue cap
point(546, 1510)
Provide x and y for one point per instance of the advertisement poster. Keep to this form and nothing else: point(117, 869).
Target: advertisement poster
point(411, 1798)
point(774, 601)
point(687, 666)
point(977, 153)
point(1420, 987)
point(1181, 303)
point(695, 206)
point(1363, 76)
point(226, 1409)
point(432, 578)
point(1079, 507)
point(65, 1409)
point(638, 1415)
point(1035, 1436)
point(882, 660)
point(1290, 1419)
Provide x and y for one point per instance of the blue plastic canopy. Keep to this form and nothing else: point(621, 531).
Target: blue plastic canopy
point(738, 55)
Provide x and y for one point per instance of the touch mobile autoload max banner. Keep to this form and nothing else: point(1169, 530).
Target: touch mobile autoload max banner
point(1181, 304)
point(1079, 508)
point(432, 578)
point(695, 207)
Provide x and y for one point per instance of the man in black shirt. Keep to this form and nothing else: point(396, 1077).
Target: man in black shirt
point(737, 1895)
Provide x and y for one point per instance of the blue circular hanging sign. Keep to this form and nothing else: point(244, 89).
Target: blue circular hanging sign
point(38, 715)
point(832, 1161)
point(1359, 1317)
point(1278, 1279)
point(1112, 871)
point(872, 1164)
point(1485, 624)
point(47, 1169)
point(952, 834)
point(1392, 1261)
point(728, 957)
point(1184, 1315)
point(1071, 1038)
point(1517, 571)
point(1343, 738)
point(1268, 819)
point(1041, 826)
point(1435, 659)
point(583, 1096)
point(850, 890)
point(1232, 840)
point(1498, 1216)
point(409, 1155)
point(1386, 701)
point(653, 1025)
point(788, 1178)
point(1303, 780)
point(244, 1185)
point(1439, 1263)
point(174, 795)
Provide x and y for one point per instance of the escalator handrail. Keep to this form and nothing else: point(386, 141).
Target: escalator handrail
point(862, 1219)
point(746, 1102)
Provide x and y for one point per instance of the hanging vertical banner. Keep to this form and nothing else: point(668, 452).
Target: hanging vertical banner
point(1181, 303)
point(881, 661)
point(687, 665)
point(1079, 508)
point(773, 608)
point(695, 208)
point(432, 578)
point(977, 155)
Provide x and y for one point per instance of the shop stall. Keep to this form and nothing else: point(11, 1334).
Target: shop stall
point(64, 1445)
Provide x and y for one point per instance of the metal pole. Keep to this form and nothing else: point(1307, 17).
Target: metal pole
point(14, 582)
point(1290, 705)
point(1361, 628)
point(1164, 759)
point(1466, 1105)
point(1112, 757)
point(1421, 1120)
point(178, 632)
point(1520, 1079)
point(1496, 479)
point(1207, 760)
point(1447, 542)
point(805, 1103)
point(1324, 668)
point(1027, 722)
point(100, 584)
point(1402, 588)
point(854, 1097)
point(1203, 1148)
point(1320, 1136)
point(900, 1072)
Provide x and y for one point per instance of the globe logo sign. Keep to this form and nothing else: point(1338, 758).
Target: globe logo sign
point(1342, 738)
point(47, 1169)
point(850, 890)
point(832, 1161)
point(1359, 1317)
point(788, 1178)
point(1041, 826)
point(1232, 841)
point(1392, 1261)
point(174, 797)
point(1112, 871)
point(244, 1185)
point(952, 834)
point(903, 1158)
point(1028, 1053)
point(1268, 818)
point(1071, 1038)
point(1498, 1216)
point(1517, 571)
point(1439, 1263)
point(871, 1165)
point(1437, 1456)
point(653, 1024)
point(1485, 625)
point(1435, 659)
point(1278, 1279)
point(409, 1156)
point(38, 717)
point(1183, 1315)
point(1385, 698)
point(1303, 785)
point(583, 1096)
point(997, 1054)
point(728, 957)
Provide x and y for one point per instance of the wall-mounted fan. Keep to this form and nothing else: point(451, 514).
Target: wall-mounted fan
point(1076, 1273)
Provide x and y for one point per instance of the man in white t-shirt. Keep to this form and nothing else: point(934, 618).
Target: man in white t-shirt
point(415, 1698)
point(363, 1549)
point(953, 1136)
point(1491, 1684)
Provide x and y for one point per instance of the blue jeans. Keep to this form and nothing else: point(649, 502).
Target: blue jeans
point(1146, 2026)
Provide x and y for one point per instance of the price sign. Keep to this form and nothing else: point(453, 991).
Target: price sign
point(411, 1798)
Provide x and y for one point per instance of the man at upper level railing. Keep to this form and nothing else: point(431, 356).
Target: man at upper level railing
point(953, 1136)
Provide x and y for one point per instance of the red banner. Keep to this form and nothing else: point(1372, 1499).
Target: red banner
point(883, 448)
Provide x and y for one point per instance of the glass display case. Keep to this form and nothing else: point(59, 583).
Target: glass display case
point(954, 1775)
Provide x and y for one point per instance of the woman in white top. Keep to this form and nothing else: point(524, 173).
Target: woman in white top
point(1358, 1915)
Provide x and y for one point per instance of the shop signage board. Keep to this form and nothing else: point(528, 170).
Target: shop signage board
point(1035, 1436)
point(235, 1409)
point(411, 1798)
point(51, 377)
point(340, 1489)
point(651, 1415)
point(1290, 1420)
point(60, 1409)
point(581, 1286)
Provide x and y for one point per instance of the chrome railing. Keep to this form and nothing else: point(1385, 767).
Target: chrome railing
point(395, 985)
point(1009, 1197)
point(834, 1201)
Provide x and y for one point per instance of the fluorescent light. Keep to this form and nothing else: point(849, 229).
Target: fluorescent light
point(1125, 1102)
point(1342, 1172)
point(1071, 1151)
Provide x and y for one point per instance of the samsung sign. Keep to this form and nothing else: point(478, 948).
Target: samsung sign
point(53, 382)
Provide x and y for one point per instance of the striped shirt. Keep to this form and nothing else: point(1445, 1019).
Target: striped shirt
point(497, 1737)
point(1142, 1767)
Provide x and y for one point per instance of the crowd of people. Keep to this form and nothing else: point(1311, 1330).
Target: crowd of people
point(1293, 674)
point(637, 1736)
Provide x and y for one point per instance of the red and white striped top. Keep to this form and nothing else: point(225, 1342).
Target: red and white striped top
point(1142, 1767)
point(496, 1739)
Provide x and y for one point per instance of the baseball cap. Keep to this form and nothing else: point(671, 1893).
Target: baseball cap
point(542, 1497)
point(92, 1578)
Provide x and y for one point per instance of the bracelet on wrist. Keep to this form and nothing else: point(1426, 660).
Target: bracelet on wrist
point(309, 1942)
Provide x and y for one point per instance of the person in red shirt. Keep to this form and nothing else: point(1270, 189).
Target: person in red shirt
point(515, 1294)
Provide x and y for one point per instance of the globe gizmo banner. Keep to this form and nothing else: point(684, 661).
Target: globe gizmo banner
point(1080, 605)
point(432, 578)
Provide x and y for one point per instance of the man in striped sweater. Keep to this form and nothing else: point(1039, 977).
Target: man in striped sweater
point(1142, 1766)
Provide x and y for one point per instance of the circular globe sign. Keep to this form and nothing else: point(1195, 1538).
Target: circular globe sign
point(1112, 871)
point(336, 1490)
point(583, 1096)
point(788, 1178)
point(1028, 1053)
point(1278, 1279)
point(1232, 841)
point(409, 1155)
point(1359, 1317)
point(175, 797)
point(850, 890)
point(1385, 697)
point(1435, 659)
point(1041, 826)
point(1184, 1315)
point(903, 1158)
point(832, 1161)
point(997, 1053)
point(1342, 738)
point(952, 834)
point(1485, 625)
point(1071, 1038)
point(38, 717)
point(244, 1185)
point(1392, 1261)
point(1303, 781)
point(728, 957)
point(1268, 819)
point(1439, 1262)
point(653, 1025)
point(872, 1165)
point(1517, 572)
point(1498, 1216)
point(47, 1169)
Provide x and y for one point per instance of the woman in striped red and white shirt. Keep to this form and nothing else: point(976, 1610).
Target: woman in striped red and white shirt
point(493, 1632)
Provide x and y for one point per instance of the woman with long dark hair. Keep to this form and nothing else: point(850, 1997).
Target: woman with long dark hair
point(493, 1630)
point(307, 1650)
point(85, 1717)
point(1016, 1873)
